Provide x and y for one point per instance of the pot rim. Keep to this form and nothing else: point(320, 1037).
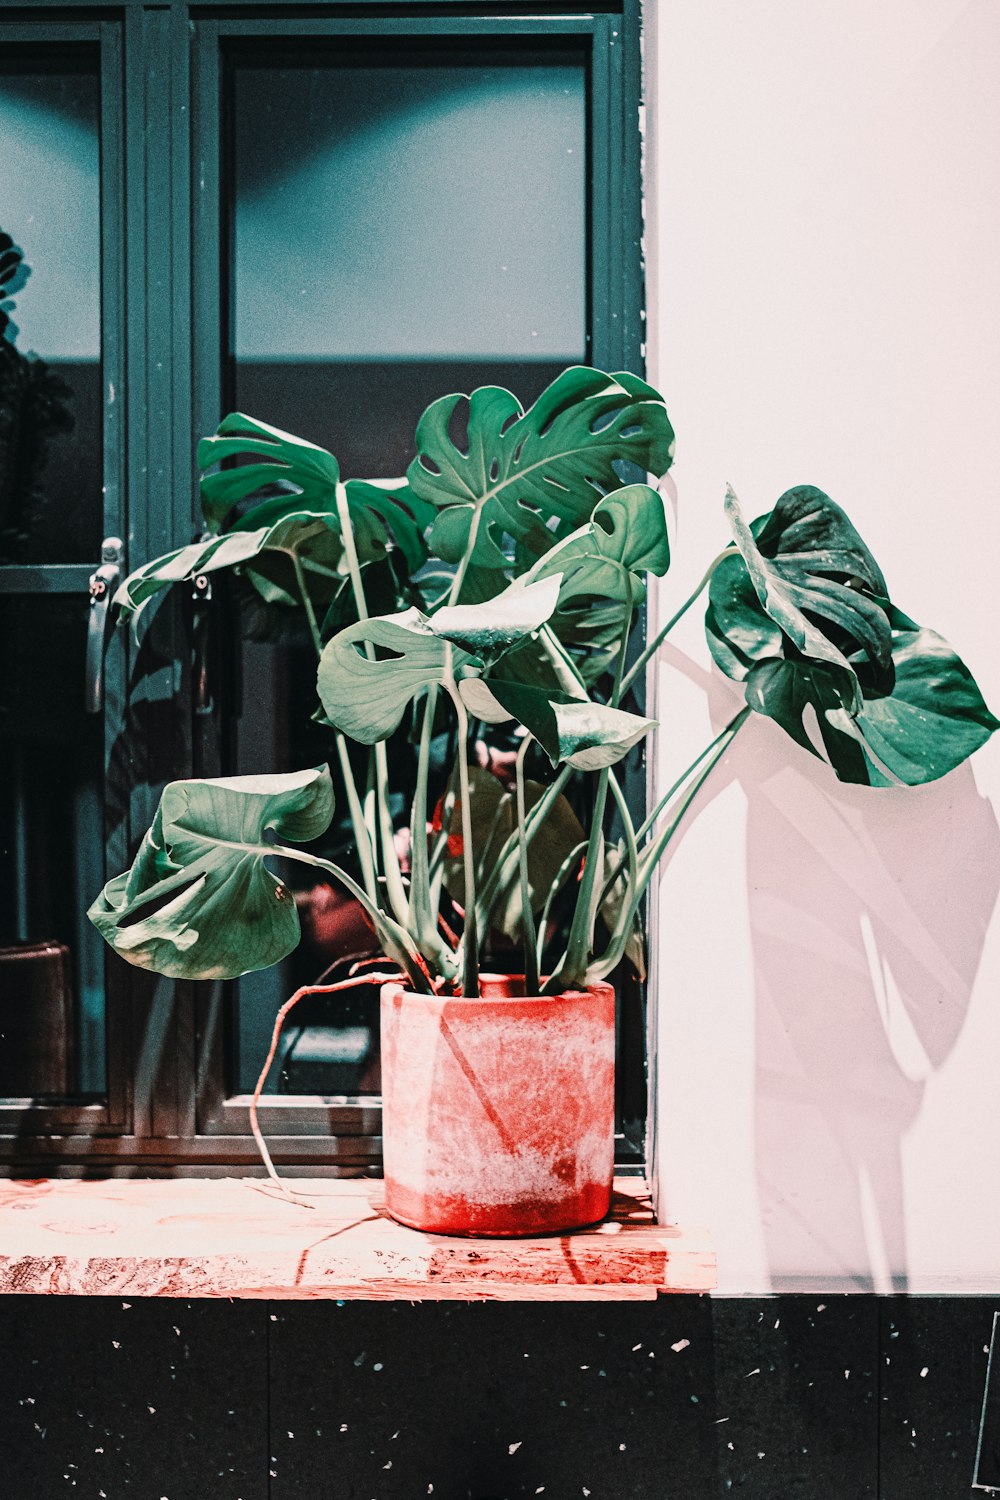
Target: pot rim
point(599, 987)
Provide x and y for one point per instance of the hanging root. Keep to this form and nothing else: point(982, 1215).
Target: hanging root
point(279, 1021)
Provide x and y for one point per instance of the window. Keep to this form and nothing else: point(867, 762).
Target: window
point(324, 217)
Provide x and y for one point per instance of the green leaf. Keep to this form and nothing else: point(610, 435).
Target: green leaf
point(625, 538)
point(587, 735)
point(933, 719)
point(386, 516)
point(300, 532)
point(491, 628)
point(199, 902)
point(308, 472)
point(534, 476)
point(365, 695)
point(815, 578)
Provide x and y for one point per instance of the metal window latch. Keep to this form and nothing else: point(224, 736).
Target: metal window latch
point(201, 599)
point(103, 582)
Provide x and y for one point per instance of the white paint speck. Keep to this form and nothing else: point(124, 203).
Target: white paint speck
point(151, 1409)
point(116, 1343)
point(821, 1307)
point(752, 1372)
point(621, 1447)
point(720, 1419)
point(376, 1367)
point(635, 1347)
point(923, 1372)
point(760, 1455)
point(513, 1447)
point(343, 1426)
point(681, 1344)
point(847, 1374)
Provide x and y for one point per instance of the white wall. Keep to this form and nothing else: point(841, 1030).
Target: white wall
point(824, 246)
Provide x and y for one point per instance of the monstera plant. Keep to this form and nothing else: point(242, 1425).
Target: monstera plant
point(486, 604)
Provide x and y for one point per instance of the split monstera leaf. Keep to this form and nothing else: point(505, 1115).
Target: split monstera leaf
point(800, 612)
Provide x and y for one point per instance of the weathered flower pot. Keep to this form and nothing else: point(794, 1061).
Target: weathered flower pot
point(498, 1112)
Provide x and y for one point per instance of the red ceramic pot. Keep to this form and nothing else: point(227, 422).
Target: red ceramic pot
point(498, 1112)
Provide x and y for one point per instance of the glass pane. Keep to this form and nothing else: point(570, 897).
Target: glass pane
point(51, 854)
point(402, 225)
point(51, 470)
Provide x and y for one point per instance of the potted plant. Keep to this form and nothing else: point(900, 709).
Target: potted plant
point(486, 604)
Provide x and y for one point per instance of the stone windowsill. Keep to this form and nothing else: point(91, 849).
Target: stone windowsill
point(240, 1237)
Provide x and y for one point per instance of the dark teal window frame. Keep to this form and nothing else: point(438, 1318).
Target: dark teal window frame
point(168, 1109)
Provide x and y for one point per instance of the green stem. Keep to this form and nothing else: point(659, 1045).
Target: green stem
point(671, 792)
point(571, 972)
point(653, 852)
point(307, 604)
point(527, 922)
point(390, 859)
point(565, 870)
point(395, 940)
point(654, 645)
point(505, 867)
point(470, 941)
point(423, 924)
point(358, 826)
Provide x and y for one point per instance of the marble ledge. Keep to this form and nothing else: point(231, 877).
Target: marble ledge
point(241, 1237)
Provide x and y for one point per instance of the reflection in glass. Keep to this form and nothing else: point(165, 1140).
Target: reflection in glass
point(50, 350)
point(51, 854)
point(400, 227)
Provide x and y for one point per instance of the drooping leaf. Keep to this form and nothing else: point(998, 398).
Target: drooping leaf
point(587, 735)
point(366, 695)
point(298, 532)
point(199, 902)
point(491, 628)
point(534, 476)
point(816, 579)
point(933, 718)
point(493, 813)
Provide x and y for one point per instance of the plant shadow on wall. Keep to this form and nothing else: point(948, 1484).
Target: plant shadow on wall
point(868, 911)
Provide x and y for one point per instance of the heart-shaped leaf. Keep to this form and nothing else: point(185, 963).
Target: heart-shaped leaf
point(534, 476)
point(625, 538)
point(815, 578)
point(364, 693)
point(199, 902)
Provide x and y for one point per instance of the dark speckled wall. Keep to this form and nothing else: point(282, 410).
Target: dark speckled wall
point(790, 1398)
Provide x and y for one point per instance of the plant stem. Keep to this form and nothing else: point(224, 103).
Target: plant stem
point(422, 923)
point(527, 922)
point(571, 972)
point(671, 791)
point(307, 604)
point(390, 859)
point(653, 852)
point(654, 645)
point(506, 865)
point(358, 826)
point(470, 941)
point(396, 941)
point(565, 869)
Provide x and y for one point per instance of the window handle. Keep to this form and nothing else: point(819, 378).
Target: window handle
point(103, 582)
point(201, 599)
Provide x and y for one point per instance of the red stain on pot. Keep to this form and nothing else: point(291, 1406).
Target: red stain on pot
point(498, 1112)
